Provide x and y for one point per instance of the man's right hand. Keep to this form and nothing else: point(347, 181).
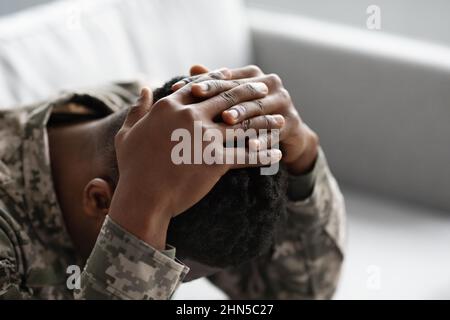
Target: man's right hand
point(151, 188)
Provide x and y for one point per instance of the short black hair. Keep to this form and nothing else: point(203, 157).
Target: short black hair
point(234, 222)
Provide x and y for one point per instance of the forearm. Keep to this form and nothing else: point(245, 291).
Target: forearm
point(128, 261)
point(315, 230)
point(121, 266)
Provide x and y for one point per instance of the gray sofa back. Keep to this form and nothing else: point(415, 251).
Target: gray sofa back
point(381, 104)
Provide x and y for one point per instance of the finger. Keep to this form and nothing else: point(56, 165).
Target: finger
point(178, 85)
point(140, 109)
point(250, 109)
point(222, 73)
point(234, 96)
point(264, 141)
point(205, 88)
point(268, 122)
point(273, 81)
point(208, 88)
point(228, 136)
point(197, 69)
point(146, 99)
point(211, 88)
point(237, 158)
point(246, 72)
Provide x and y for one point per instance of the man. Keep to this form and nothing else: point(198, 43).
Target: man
point(86, 178)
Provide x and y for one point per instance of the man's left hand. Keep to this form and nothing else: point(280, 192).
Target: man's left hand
point(298, 142)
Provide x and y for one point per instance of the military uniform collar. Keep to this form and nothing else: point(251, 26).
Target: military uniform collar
point(43, 207)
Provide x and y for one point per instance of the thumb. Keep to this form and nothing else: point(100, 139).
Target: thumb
point(140, 109)
point(146, 98)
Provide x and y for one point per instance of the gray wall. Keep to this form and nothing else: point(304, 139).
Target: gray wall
point(10, 6)
point(419, 19)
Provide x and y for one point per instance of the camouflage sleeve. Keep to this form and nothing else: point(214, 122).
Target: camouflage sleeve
point(122, 266)
point(307, 254)
point(10, 279)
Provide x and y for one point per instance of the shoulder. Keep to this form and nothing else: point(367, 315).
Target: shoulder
point(12, 200)
point(12, 123)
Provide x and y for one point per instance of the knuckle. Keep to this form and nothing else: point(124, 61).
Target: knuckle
point(230, 97)
point(197, 79)
point(313, 136)
point(254, 70)
point(267, 121)
point(284, 94)
point(259, 106)
point(188, 80)
point(164, 103)
point(188, 114)
point(216, 84)
point(245, 124)
point(274, 80)
point(249, 87)
point(295, 120)
point(216, 75)
point(241, 109)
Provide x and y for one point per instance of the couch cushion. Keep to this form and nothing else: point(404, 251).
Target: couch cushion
point(79, 43)
point(394, 250)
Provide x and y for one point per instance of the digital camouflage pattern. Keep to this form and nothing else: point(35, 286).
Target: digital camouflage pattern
point(122, 267)
point(35, 248)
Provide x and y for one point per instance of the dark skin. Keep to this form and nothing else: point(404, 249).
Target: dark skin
point(143, 153)
point(299, 143)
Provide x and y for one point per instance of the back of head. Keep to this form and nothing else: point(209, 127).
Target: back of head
point(234, 222)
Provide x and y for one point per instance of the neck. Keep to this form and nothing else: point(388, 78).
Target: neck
point(74, 161)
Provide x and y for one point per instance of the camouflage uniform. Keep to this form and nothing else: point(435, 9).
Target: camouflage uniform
point(35, 248)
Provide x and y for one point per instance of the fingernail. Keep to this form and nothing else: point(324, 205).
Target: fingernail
point(144, 92)
point(276, 154)
point(254, 144)
point(279, 120)
point(203, 86)
point(260, 86)
point(233, 114)
point(179, 83)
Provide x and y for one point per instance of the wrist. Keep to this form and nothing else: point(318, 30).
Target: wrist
point(305, 162)
point(137, 214)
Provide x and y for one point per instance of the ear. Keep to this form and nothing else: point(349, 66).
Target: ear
point(97, 197)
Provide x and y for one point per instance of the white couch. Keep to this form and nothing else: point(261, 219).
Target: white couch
point(380, 104)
